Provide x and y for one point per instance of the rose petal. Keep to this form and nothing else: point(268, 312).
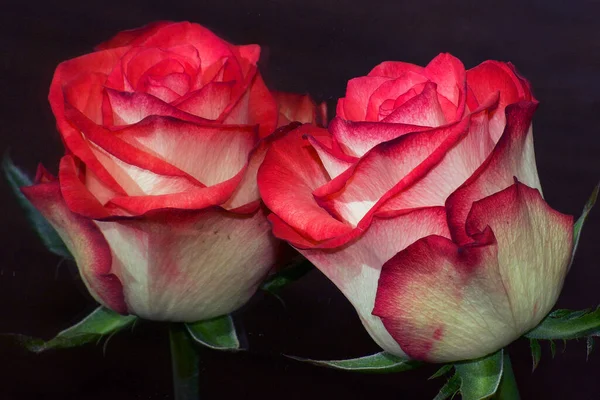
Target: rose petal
point(454, 169)
point(386, 170)
point(209, 102)
point(190, 267)
point(84, 241)
point(423, 110)
point(355, 267)
point(513, 156)
point(357, 138)
point(287, 177)
point(438, 300)
point(493, 76)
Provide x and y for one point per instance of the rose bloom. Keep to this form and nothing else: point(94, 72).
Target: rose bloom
point(422, 204)
point(156, 197)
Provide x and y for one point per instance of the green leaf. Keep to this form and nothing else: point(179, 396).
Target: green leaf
point(100, 323)
point(217, 333)
point(296, 270)
point(379, 363)
point(449, 389)
point(567, 324)
point(480, 378)
point(17, 179)
point(579, 223)
point(536, 352)
point(442, 371)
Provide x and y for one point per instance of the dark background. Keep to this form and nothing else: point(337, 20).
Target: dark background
point(310, 46)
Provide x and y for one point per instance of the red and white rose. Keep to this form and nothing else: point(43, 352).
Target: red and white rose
point(156, 197)
point(422, 203)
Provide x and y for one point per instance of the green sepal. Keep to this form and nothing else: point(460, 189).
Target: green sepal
point(553, 348)
point(567, 324)
point(480, 378)
point(379, 363)
point(508, 389)
point(579, 223)
point(536, 352)
point(216, 333)
point(589, 346)
point(185, 364)
point(442, 371)
point(450, 389)
point(296, 270)
point(17, 179)
point(100, 323)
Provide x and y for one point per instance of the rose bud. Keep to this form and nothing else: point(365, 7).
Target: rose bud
point(156, 196)
point(422, 204)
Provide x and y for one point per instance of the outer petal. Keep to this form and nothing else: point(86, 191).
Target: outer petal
point(101, 62)
point(445, 303)
point(535, 244)
point(84, 241)
point(190, 266)
point(442, 302)
point(287, 177)
point(513, 156)
point(355, 267)
point(386, 170)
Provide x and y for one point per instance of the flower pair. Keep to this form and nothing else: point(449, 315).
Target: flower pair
point(421, 200)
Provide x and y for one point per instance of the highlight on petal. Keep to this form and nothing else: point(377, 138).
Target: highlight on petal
point(438, 299)
point(84, 241)
point(190, 266)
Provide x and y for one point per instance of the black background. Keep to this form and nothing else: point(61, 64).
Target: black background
point(310, 46)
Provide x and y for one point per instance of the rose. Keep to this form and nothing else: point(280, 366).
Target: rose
point(422, 204)
point(156, 197)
